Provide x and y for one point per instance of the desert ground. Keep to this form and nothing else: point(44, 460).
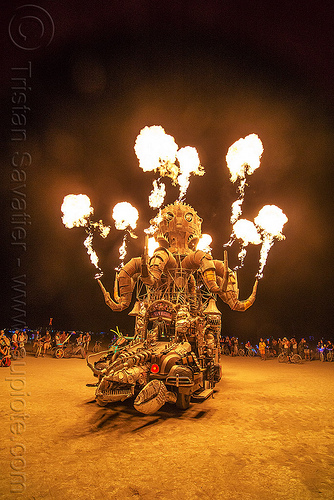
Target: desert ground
point(268, 433)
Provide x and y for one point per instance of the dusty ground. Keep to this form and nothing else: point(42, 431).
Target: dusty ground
point(267, 434)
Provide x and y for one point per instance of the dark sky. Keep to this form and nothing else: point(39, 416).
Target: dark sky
point(209, 73)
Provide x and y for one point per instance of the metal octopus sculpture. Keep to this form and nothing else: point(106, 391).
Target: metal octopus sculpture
point(174, 355)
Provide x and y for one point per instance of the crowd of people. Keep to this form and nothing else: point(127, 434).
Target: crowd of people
point(13, 343)
point(307, 348)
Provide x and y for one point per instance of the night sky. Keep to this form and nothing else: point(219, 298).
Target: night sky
point(209, 73)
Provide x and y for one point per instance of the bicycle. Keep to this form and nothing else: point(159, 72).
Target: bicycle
point(5, 360)
point(73, 350)
point(19, 351)
point(58, 351)
point(330, 355)
point(39, 344)
point(289, 358)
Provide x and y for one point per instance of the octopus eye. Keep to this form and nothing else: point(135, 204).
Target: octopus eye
point(188, 217)
point(169, 216)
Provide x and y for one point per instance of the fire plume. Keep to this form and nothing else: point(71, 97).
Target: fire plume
point(243, 157)
point(189, 164)
point(270, 221)
point(152, 245)
point(246, 231)
point(204, 243)
point(156, 150)
point(76, 210)
point(157, 195)
point(125, 216)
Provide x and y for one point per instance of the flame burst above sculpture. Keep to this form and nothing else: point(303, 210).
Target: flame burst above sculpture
point(158, 152)
point(242, 159)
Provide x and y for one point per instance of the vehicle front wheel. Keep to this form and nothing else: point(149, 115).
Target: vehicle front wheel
point(183, 401)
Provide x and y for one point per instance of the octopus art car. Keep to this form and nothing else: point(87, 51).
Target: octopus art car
point(174, 355)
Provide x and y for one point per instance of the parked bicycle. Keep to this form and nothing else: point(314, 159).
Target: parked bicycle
point(18, 351)
point(325, 354)
point(58, 351)
point(39, 347)
point(74, 350)
point(5, 356)
point(330, 355)
point(289, 358)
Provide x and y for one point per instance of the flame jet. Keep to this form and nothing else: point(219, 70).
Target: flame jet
point(158, 152)
point(270, 221)
point(242, 159)
point(77, 210)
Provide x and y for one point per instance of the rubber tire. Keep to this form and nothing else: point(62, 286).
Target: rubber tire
point(59, 353)
point(6, 361)
point(183, 401)
point(67, 352)
point(281, 358)
point(321, 356)
point(296, 358)
point(241, 352)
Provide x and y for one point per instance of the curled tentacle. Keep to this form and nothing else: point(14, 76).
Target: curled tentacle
point(242, 305)
point(228, 284)
point(161, 258)
point(231, 295)
point(204, 262)
point(125, 280)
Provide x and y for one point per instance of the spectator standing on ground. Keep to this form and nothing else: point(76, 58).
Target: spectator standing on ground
point(235, 346)
point(262, 349)
point(286, 346)
point(46, 342)
point(248, 347)
point(307, 351)
point(294, 345)
point(15, 340)
point(86, 340)
point(301, 347)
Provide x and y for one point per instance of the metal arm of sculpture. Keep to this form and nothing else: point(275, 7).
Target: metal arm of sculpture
point(126, 282)
point(137, 266)
point(161, 258)
point(204, 262)
point(228, 283)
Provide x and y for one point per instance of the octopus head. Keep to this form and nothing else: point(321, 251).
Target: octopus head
point(179, 229)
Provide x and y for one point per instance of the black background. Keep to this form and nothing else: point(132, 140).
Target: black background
point(209, 73)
